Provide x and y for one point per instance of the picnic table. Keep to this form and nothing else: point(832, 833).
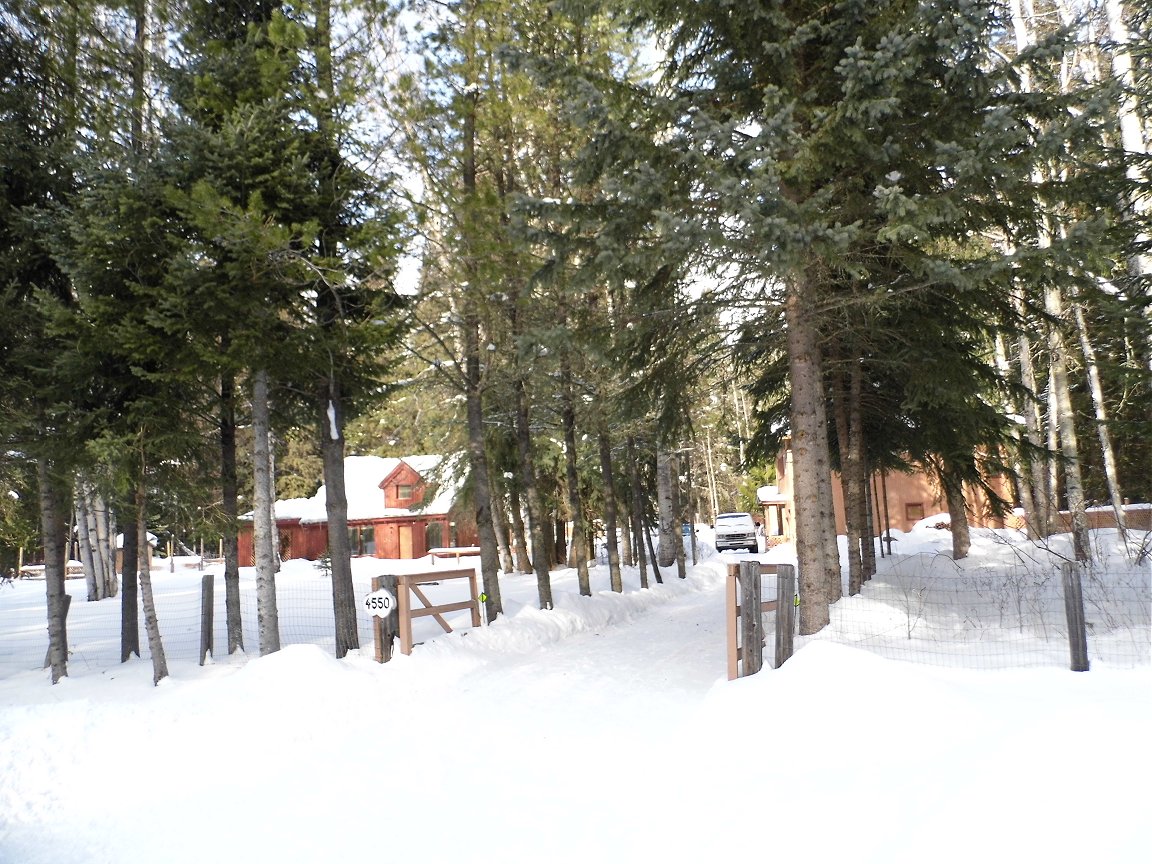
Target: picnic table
point(456, 552)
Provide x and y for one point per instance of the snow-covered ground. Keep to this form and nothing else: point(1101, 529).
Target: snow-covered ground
point(602, 731)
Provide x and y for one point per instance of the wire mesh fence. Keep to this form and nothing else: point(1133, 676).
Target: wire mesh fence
point(925, 609)
point(304, 605)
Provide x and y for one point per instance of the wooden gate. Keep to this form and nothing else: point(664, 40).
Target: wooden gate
point(745, 610)
point(407, 586)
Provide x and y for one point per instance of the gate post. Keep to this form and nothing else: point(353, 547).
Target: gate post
point(785, 611)
point(751, 618)
point(384, 628)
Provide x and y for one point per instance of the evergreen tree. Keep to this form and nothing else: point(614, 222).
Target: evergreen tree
point(36, 183)
point(844, 154)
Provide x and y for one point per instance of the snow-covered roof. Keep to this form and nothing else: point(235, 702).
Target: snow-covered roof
point(362, 478)
point(769, 495)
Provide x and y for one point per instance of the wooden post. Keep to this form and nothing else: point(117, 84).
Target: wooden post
point(384, 629)
point(785, 611)
point(1074, 610)
point(731, 612)
point(404, 615)
point(473, 587)
point(751, 618)
point(207, 609)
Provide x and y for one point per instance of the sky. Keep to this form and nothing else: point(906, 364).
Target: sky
point(602, 730)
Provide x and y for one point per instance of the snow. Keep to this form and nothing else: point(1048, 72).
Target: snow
point(602, 731)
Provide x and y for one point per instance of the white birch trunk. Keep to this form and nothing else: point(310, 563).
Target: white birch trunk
point(1043, 494)
point(84, 536)
point(1069, 449)
point(1027, 502)
point(1132, 136)
point(105, 551)
point(1106, 450)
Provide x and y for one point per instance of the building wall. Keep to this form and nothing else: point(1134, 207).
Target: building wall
point(900, 499)
point(385, 535)
point(403, 487)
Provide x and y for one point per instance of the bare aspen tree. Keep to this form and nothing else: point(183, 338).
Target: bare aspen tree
point(1066, 421)
point(1107, 451)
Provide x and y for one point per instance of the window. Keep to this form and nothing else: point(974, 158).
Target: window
point(404, 492)
point(914, 512)
point(362, 539)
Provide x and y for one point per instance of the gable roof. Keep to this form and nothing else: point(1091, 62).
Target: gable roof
point(363, 477)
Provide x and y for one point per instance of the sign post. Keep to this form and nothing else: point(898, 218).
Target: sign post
point(380, 604)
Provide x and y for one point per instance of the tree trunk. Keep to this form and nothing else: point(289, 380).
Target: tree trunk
point(532, 497)
point(713, 495)
point(85, 529)
point(1024, 485)
point(129, 598)
point(487, 510)
point(519, 532)
point(277, 560)
point(652, 554)
point(957, 511)
point(627, 553)
point(229, 491)
point(500, 523)
point(849, 486)
point(678, 516)
point(638, 512)
point(147, 602)
point(1069, 448)
point(336, 508)
point(690, 510)
point(809, 459)
point(263, 526)
point(52, 533)
point(610, 518)
point(1132, 129)
point(1109, 456)
point(1036, 475)
point(575, 502)
point(666, 502)
point(105, 553)
point(857, 460)
point(868, 546)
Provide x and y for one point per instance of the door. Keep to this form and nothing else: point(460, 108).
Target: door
point(405, 541)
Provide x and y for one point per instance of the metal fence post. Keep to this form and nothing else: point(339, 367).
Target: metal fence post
point(207, 611)
point(1074, 609)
